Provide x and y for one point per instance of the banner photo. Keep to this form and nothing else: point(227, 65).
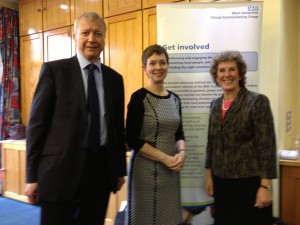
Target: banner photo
point(193, 33)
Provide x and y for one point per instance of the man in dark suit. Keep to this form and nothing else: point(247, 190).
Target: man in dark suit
point(68, 173)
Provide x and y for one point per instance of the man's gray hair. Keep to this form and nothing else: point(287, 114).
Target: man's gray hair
point(90, 16)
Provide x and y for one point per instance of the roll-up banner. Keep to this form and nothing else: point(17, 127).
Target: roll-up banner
point(193, 33)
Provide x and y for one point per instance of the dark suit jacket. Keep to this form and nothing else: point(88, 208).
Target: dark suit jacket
point(57, 132)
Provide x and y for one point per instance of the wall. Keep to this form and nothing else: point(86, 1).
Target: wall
point(280, 69)
point(297, 32)
point(289, 72)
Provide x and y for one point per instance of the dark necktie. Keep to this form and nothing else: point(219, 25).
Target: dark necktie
point(93, 103)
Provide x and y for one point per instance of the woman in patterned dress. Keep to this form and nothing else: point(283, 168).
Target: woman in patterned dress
point(155, 135)
point(241, 147)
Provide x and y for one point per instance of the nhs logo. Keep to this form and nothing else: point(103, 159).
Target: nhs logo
point(253, 8)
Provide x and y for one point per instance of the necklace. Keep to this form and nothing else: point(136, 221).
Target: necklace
point(228, 105)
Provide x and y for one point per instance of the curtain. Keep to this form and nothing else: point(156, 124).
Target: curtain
point(9, 86)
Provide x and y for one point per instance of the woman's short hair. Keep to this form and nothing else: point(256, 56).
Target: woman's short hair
point(229, 56)
point(154, 49)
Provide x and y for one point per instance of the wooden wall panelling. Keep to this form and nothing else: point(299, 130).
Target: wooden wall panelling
point(152, 3)
point(117, 7)
point(31, 14)
point(57, 44)
point(56, 13)
point(31, 59)
point(78, 7)
point(204, 0)
point(12, 172)
point(13, 166)
point(290, 194)
point(123, 49)
point(233, 0)
point(149, 31)
point(22, 163)
point(149, 27)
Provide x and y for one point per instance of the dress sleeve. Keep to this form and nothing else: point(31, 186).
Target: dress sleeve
point(134, 121)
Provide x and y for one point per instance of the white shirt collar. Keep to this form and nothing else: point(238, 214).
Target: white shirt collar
point(83, 62)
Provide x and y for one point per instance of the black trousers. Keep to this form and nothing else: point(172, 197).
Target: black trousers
point(89, 205)
point(234, 202)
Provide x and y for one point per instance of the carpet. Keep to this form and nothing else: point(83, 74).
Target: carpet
point(18, 213)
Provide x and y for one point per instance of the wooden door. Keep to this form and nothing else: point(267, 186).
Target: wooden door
point(57, 44)
point(30, 16)
point(78, 7)
point(56, 13)
point(117, 7)
point(31, 59)
point(124, 49)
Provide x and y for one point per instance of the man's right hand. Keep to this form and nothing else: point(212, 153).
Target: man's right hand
point(31, 192)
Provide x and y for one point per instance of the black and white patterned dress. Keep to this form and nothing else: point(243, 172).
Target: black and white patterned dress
point(153, 189)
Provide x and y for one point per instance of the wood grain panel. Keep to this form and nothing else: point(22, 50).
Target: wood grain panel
point(56, 14)
point(30, 17)
point(13, 164)
point(152, 3)
point(22, 163)
point(205, 0)
point(117, 7)
point(149, 27)
point(124, 48)
point(31, 59)
point(78, 7)
point(12, 172)
point(149, 32)
point(290, 195)
point(55, 41)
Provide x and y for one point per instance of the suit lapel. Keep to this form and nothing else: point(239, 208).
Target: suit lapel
point(107, 89)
